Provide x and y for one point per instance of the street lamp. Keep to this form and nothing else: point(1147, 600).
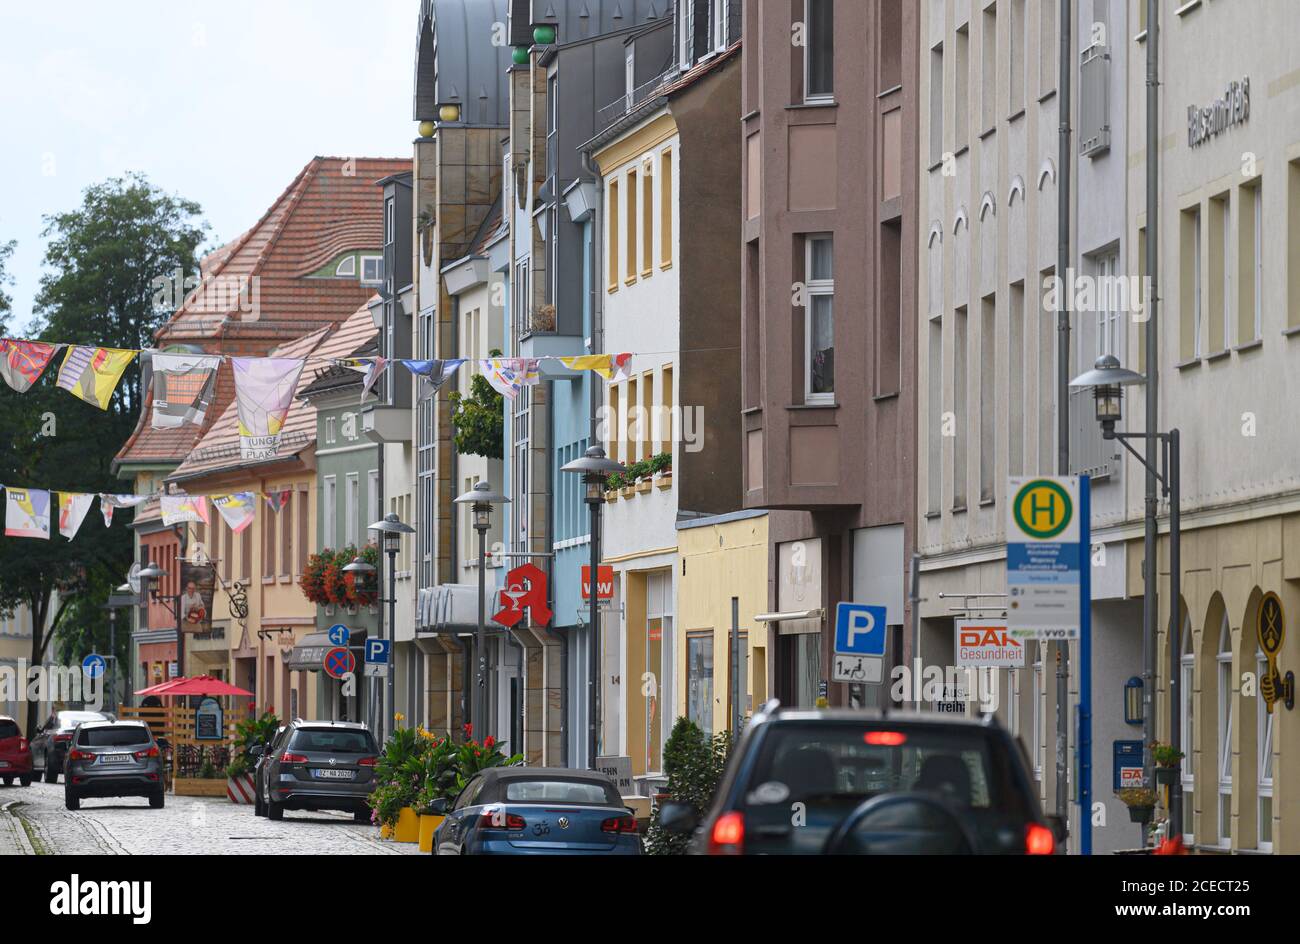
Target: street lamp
point(359, 568)
point(480, 499)
point(115, 602)
point(1107, 380)
point(148, 574)
point(595, 468)
point(390, 531)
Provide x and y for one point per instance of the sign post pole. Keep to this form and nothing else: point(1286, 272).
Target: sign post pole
point(1085, 666)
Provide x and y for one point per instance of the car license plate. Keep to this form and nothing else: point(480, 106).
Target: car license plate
point(114, 758)
point(330, 774)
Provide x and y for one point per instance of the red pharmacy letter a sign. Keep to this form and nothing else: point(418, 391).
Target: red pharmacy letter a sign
point(525, 589)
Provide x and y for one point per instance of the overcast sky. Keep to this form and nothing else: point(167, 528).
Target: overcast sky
point(222, 103)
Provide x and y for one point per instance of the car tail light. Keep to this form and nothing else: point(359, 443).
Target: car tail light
point(288, 758)
point(499, 819)
point(151, 752)
point(75, 754)
point(885, 738)
point(22, 745)
point(60, 738)
point(728, 834)
point(368, 762)
point(625, 825)
point(1039, 840)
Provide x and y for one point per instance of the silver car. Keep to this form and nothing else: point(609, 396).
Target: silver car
point(112, 759)
point(319, 765)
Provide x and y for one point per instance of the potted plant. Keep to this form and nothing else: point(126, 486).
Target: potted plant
point(613, 483)
point(640, 473)
point(400, 775)
point(471, 757)
point(1141, 803)
point(661, 466)
point(440, 783)
point(312, 581)
point(1166, 759)
point(544, 318)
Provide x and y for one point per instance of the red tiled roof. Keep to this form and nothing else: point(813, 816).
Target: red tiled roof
point(330, 207)
point(218, 451)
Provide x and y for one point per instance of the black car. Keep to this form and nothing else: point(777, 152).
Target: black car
point(50, 746)
point(260, 753)
point(870, 783)
point(319, 765)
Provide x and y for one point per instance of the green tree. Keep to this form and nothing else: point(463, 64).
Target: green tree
point(694, 763)
point(479, 418)
point(103, 259)
point(6, 301)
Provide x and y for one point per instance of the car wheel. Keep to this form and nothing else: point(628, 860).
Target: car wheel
point(72, 801)
point(274, 810)
point(8, 781)
point(25, 781)
point(259, 809)
point(361, 816)
point(49, 774)
point(156, 800)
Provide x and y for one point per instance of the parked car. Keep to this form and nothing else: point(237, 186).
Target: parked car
point(50, 745)
point(15, 754)
point(113, 759)
point(260, 752)
point(537, 810)
point(319, 765)
point(870, 783)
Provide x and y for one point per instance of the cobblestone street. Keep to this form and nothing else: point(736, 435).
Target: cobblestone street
point(37, 821)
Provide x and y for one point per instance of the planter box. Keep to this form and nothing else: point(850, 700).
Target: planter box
point(1166, 775)
point(627, 491)
point(240, 790)
point(611, 495)
point(428, 824)
point(643, 486)
point(664, 480)
point(1141, 814)
point(198, 787)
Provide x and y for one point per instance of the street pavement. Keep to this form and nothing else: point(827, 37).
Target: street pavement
point(185, 826)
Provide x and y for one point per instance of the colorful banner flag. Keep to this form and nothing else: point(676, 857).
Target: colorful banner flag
point(92, 373)
point(72, 511)
point(508, 374)
point(375, 368)
point(180, 508)
point(278, 500)
point(183, 386)
point(610, 366)
point(264, 388)
point(23, 362)
point(27, 514)
point(236, 509)
point(108, 502)
point(433, 374)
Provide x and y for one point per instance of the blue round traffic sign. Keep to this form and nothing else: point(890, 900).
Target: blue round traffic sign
point(339, 662)
point(338, 634)
point(93, 665)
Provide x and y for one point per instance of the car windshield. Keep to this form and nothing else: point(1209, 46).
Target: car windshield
point(9, 729)
point(332, 741)
point(560, 791)
point(70, 719)
point(846, 763)
point(125, 736)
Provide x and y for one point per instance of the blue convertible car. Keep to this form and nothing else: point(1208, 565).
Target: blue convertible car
point(537, 810)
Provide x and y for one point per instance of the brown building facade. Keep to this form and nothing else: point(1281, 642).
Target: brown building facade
point(828, 343)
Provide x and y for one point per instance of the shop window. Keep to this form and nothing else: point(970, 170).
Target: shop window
point(1264, 745)
point(1224, 665)
point(699, 679)
point(1187, 711)
point(819, 321)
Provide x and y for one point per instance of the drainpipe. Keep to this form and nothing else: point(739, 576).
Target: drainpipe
point(1150, 601)
point(597, 342)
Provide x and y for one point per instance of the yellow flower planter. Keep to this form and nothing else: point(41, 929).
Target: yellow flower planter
point(408, 826)
point(428, 824)
point(385, 832)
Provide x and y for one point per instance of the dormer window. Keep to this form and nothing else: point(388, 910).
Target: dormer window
point(372, 270)
point(347, 268)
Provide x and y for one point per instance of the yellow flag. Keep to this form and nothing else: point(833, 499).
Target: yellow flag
point(92, 373)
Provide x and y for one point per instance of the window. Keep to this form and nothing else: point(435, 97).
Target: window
point(934, 418)
point(632, 417)
point(1110, 307)
point(819, 322)
point(375, 510)
point(1048, 41)
point(1187, 713)
point(611, 237)
point(699, 679)
point(268, 543)
point(1250, 265)
point(1257, 219)
point(988, 404)
point(1016, 380)
point(246, 550)
point(819, 50)
point(347, 268)
point(665, 209)
point(665, 412)
point(1224, 661)
point(286, 537)
point(1046, 381)
point(1264, 745)
point(304, 528)
point(936, 105)
point(1016, 57)
point(889, 315)
point(629, 77)
point(372, 270)
point(329, 495)
point(1220, 326)
point(960, 341)
point(647, 222)
point(658, 653)
point(961, 90)
point(631, 225)
point(988, 68)
point(351, 508)
point(331, 432)
point(719, 25)
point(1190, 282)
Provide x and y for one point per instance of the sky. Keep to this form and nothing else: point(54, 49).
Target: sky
point(222, 103)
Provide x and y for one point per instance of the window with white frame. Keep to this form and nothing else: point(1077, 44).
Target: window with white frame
point(372, 270)
point(819, 320)
point(819, 51)
point(1257, 196)
point(719, 25)
point(330, 429)
point(375, 507)
point(1224, 660)
point(347, 268)
point(330, 498)
point(1187, 710)
point(1264, 745)
point(1110, 314)
point(351, 508)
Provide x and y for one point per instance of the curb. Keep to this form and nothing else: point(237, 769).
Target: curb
point(10, 822)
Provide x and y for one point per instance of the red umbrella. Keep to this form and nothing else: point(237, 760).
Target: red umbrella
point(162, 688)
point(204, 685)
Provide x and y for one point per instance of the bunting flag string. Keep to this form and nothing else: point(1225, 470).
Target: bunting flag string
point(27, 513)
point(24, 362)
point(183, 385)
point(73, 507)
point(236, 509)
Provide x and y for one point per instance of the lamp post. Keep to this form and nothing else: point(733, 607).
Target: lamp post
point(390, 529)
point(1108, 380)
point(480, 499)
point(361, 568)
point(115, 602)
point(594, 467)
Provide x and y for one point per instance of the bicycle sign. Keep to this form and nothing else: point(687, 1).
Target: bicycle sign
point(858, 668)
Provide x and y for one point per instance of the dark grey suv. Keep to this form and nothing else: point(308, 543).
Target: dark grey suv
point(112, 759)
point(319, 765)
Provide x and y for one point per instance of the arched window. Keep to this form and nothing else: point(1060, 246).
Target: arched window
point(1188, 725)
point(1224, 666)
point(1264, 744)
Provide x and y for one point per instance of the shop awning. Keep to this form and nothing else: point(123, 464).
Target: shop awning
point(309, 654)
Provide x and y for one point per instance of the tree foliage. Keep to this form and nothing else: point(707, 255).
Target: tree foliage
point(479, 419)
point(102, 260)
point(694, 763)
point(6, 301)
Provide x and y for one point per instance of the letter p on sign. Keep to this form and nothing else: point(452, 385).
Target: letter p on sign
point(860, 629)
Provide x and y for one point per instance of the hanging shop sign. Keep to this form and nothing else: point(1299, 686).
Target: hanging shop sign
point(1270, 628)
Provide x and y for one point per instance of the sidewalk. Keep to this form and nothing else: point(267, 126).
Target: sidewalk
point(13, 838)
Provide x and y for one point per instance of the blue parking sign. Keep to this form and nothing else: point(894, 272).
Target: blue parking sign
point(860, 630)
point(377, 651)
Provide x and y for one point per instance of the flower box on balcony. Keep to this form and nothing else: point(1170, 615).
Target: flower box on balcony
point(627, 491)
point(664, 479)
point(642, 485)
point(611, 495)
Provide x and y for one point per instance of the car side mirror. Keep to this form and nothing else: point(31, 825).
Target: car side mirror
point(438, 807)
point(677, 817)
point(1060, 829)
point(255, 750)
